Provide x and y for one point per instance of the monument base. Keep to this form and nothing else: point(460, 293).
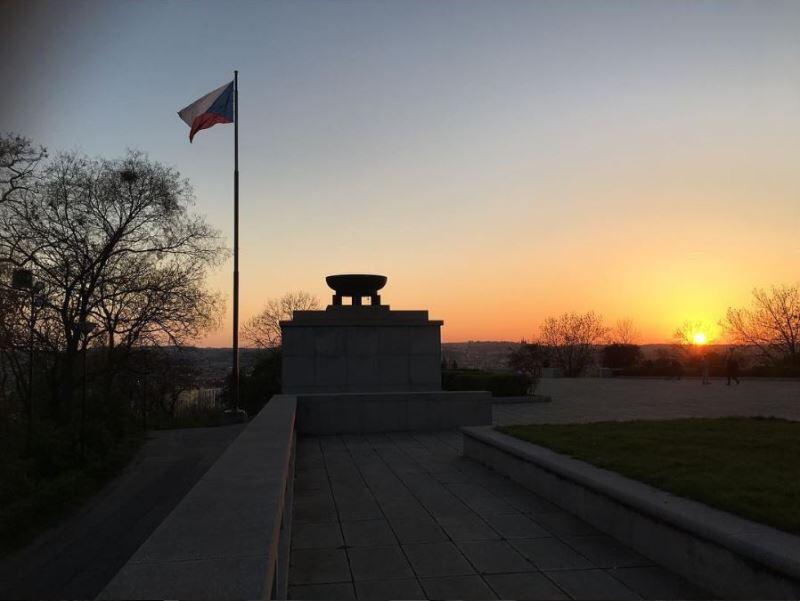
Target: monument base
point(364, 412)
point(360, 349)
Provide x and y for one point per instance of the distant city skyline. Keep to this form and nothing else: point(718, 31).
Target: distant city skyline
point(500, 162)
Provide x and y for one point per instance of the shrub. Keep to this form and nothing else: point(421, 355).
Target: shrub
point(528, 359)
point(498, 383)
point(258, 386)
point(618, 356)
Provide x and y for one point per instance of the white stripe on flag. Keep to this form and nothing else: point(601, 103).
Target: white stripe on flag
point(200, 106)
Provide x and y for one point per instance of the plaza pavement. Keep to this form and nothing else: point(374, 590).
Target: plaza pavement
point(600, 399)
point(401, 514)
point(404, 516)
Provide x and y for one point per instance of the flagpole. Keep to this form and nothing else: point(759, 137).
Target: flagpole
point(235, 386)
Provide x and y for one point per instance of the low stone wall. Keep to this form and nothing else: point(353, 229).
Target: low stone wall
point(358, 413)
point(229, 537)
point(727, 555)
point(357, 349)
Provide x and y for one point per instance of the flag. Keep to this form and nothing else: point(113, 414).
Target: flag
point(215, 107)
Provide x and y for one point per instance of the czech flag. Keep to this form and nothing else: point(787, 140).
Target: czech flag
point(215, 107)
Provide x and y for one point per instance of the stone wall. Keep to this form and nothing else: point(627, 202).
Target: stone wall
point(360, 413)
point(361, 349)
point(732, 557)
point(229, 538)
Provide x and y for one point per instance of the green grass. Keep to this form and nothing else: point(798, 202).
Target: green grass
point(747, 466)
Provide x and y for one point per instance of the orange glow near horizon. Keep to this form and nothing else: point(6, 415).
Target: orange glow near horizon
point(490, 310)
point(500, 162)
point(498, 284)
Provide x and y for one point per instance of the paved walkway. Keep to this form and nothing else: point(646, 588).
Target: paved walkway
point(404, 516)
point(599, 399)
point(78, 558)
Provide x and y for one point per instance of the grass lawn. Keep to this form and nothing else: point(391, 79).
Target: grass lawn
point(747, 466)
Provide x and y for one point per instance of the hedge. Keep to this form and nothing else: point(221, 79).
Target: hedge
point(498, 383)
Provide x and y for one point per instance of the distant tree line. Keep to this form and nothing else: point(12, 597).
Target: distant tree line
point(767, 333)
point(574, 343)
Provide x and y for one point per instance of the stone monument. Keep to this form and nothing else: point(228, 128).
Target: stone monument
point(360, 348)
point(366, 368)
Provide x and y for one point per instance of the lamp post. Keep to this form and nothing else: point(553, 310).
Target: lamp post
point(84, 328)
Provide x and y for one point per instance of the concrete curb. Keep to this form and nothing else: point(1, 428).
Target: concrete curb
point(229, 536)
point(726, 554)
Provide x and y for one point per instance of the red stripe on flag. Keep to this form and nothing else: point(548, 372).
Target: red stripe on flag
point(205, 121)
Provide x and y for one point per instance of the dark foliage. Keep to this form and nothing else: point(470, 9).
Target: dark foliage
point(619, 356)
point(528, 359)
point(498, 383)
point(260, 384)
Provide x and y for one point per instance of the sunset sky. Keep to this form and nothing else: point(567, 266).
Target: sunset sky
point(499, 161)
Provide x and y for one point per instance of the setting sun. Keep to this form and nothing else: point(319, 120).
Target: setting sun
point(699, 338)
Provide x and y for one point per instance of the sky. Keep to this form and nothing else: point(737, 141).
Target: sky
point(499, 161)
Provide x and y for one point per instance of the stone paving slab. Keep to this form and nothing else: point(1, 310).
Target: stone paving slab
point(530, 585)
point(403, 515)
point(367, 533)
point(316, 566)
point(457, 587)
point(592, 584)
point(379, 563)
point(515, 525)
point(438, 559)
point(406, 588)
point(653, 582)
point(341, 591)
point(551, 554)
point(605, 552)
point(307, 535)
point(494, 557)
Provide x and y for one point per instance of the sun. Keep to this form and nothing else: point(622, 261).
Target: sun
point(699, 338)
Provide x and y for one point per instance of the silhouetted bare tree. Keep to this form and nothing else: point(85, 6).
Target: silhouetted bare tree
point(692, 333)
point(624, 332)
point(12, 336)
point(771, 324)
point(264, 329)
point(113, 243)
point(572, 340)
point(19, 162)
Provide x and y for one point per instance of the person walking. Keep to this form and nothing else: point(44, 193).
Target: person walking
point(732, 368)
point(705, 365)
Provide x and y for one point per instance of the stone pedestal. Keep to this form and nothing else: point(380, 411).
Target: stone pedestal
point(361, 348)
